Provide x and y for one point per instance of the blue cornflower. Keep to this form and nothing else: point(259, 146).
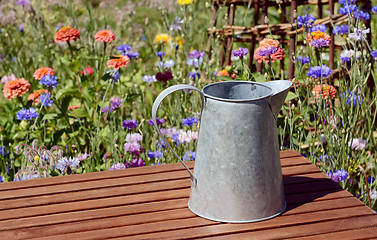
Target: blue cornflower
point(361, 15)
point(1, 179)
point(374, 9)
point(305, 21)
point(176, 24)
point(160, 54)
point(124, 48)
point(302, 60)
point(175, 139)
point(3, 152)
point(348, 9)
point(155, 154)
point(353, 98)
point(338, 175)
point(169, 63)
point(374, 54)
point(27, 114)
point(267, 51)
point(132, 54)
point(158, 121)
point(324, 157)
point(189, 156)
point(318, 71)
point(21, 28)
point(130, 124)
point(240, 52)
point(193, 75)
point(49, 81)
point(318, 27)
point(189, 121)
point(346, 2)
point(45, 100)
point(340, 30)
point(114, 75)
point(149, 79)
point(320, 43)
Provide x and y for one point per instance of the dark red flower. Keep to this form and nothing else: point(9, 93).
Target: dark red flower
point(164, 76)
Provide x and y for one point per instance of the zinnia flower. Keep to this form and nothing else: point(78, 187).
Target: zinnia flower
point(318, 39)
point(43, 71)
point(36, 95)
point(324, 91)
point(105, 36)
point(16, 88)
point(162, 38)
point(118, 62)
point(66, 33)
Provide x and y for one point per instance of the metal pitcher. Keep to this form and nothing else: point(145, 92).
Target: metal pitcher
point(237, 174)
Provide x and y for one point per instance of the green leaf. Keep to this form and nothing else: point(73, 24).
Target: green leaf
point(68, 92)
point(258, 77)
point(65, 103)
point(75, 66)
point(50, 116)
point(290, 96)
point(80, 113)
point(132, 97)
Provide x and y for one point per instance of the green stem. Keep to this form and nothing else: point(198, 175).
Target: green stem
point(101, 64)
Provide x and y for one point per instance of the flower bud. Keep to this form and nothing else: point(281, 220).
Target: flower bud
point(146, 21)
point(208, 5)
point(24, 125)
point(266, 20)
point(278, 1)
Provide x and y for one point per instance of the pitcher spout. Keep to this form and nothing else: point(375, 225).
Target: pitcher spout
point(280, 90)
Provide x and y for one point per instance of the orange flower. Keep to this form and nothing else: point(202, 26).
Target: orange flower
point(66, 33)
point(16, 88)
point(105, 36)
point(267, 42)
point(324, 91)
point(224, 72)
point(43, 71)
point(118, 62)
point(73, 107)
point(36, 95)
point(318, 35)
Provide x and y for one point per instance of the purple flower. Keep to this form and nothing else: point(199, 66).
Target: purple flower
point(169, 63)
point(124, 48)
point(134, 137)
point(374, 9)
point(117, 166)
point(240, 52)
point(136, 162)
point(189, 121)
point(340, 30)
point(267, 51)
point(338, 175)
point(348, 9)
point(324, 157)
point(353, 98)
point(132, 54)
point(374, 54)
point(65, 164)
point(189, 156)
point(346, 2)
point(164, 76)
point(23, 2)
point(115, 103)
point(130, 124)
point(359, 34)
point(196, 54)
point(193, 75)
point(320, 43)
point(115, 75)
point(3, 152)
point(160, 54)
point(9, 78)
point(149, 79)
point(21, 28)
point(318, 27)
point(49, 81)
point(318, 71)
point(155, 154)
point(361, 15)
point(82, 157)
point(305, 21)
point(27, 114)
point(358, 144)
point(132, 146)
point(302, 60)
point(176, 24)
point(158, 121)
point(1, 179)
point(45, 100)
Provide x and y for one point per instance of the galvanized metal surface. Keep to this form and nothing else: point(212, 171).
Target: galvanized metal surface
point(237, 174)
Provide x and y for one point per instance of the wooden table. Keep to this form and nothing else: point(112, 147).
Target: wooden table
point(151, 203)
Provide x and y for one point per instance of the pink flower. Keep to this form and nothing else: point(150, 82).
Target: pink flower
point(132, 146)
point(105, 36)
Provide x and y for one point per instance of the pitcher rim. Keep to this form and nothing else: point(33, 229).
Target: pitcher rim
point(238, 100)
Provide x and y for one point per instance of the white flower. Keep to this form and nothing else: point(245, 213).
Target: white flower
point(358, 34)
point(134, 137)
point(64, 163)
point(358, 144)
point(169, 63)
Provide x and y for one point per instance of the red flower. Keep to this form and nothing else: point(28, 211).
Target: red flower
point(118, 62)
point(87, 71)
point(164, 76)
point(36, 95)
point(16, 88)
point(66, 33)
point(105, 36)
point(324, 91)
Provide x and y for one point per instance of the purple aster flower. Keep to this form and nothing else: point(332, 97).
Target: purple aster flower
point(132, 54)
point(374, 54)
point(23, 2)
point(155, 154)
point(27, 114)
point(160, 54)
point(374, 9)
point(240, 52)
point(149, 79)
point(189, 121)
point(124, 48)
point(267, 51)
point(302, 60)
point(46, 100)
point(66, 165)
point(320, 43)
point(305, 21)
point(158, 121)
point(348, 9)
point(338, 175)
point(318, 71)
point(136, 162)
point(49, 81)
point(359, 34)
point(105, 109)
point(189, 156)
point(130, 124)
point(169, 63)
point(115, 103)
point(196, 54)
point(117, 166)
point(176, 24)
point(340, 30)
point(361, 15)
point(318, 27)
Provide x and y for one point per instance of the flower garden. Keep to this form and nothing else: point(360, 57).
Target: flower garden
point(79, 79)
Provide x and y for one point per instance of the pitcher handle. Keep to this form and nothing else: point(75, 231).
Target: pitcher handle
point(157, 103)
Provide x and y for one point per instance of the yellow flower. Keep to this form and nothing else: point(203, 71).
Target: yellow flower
point(36, 158)
point(185, 2)
point(162, 38)
point(180, 40)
